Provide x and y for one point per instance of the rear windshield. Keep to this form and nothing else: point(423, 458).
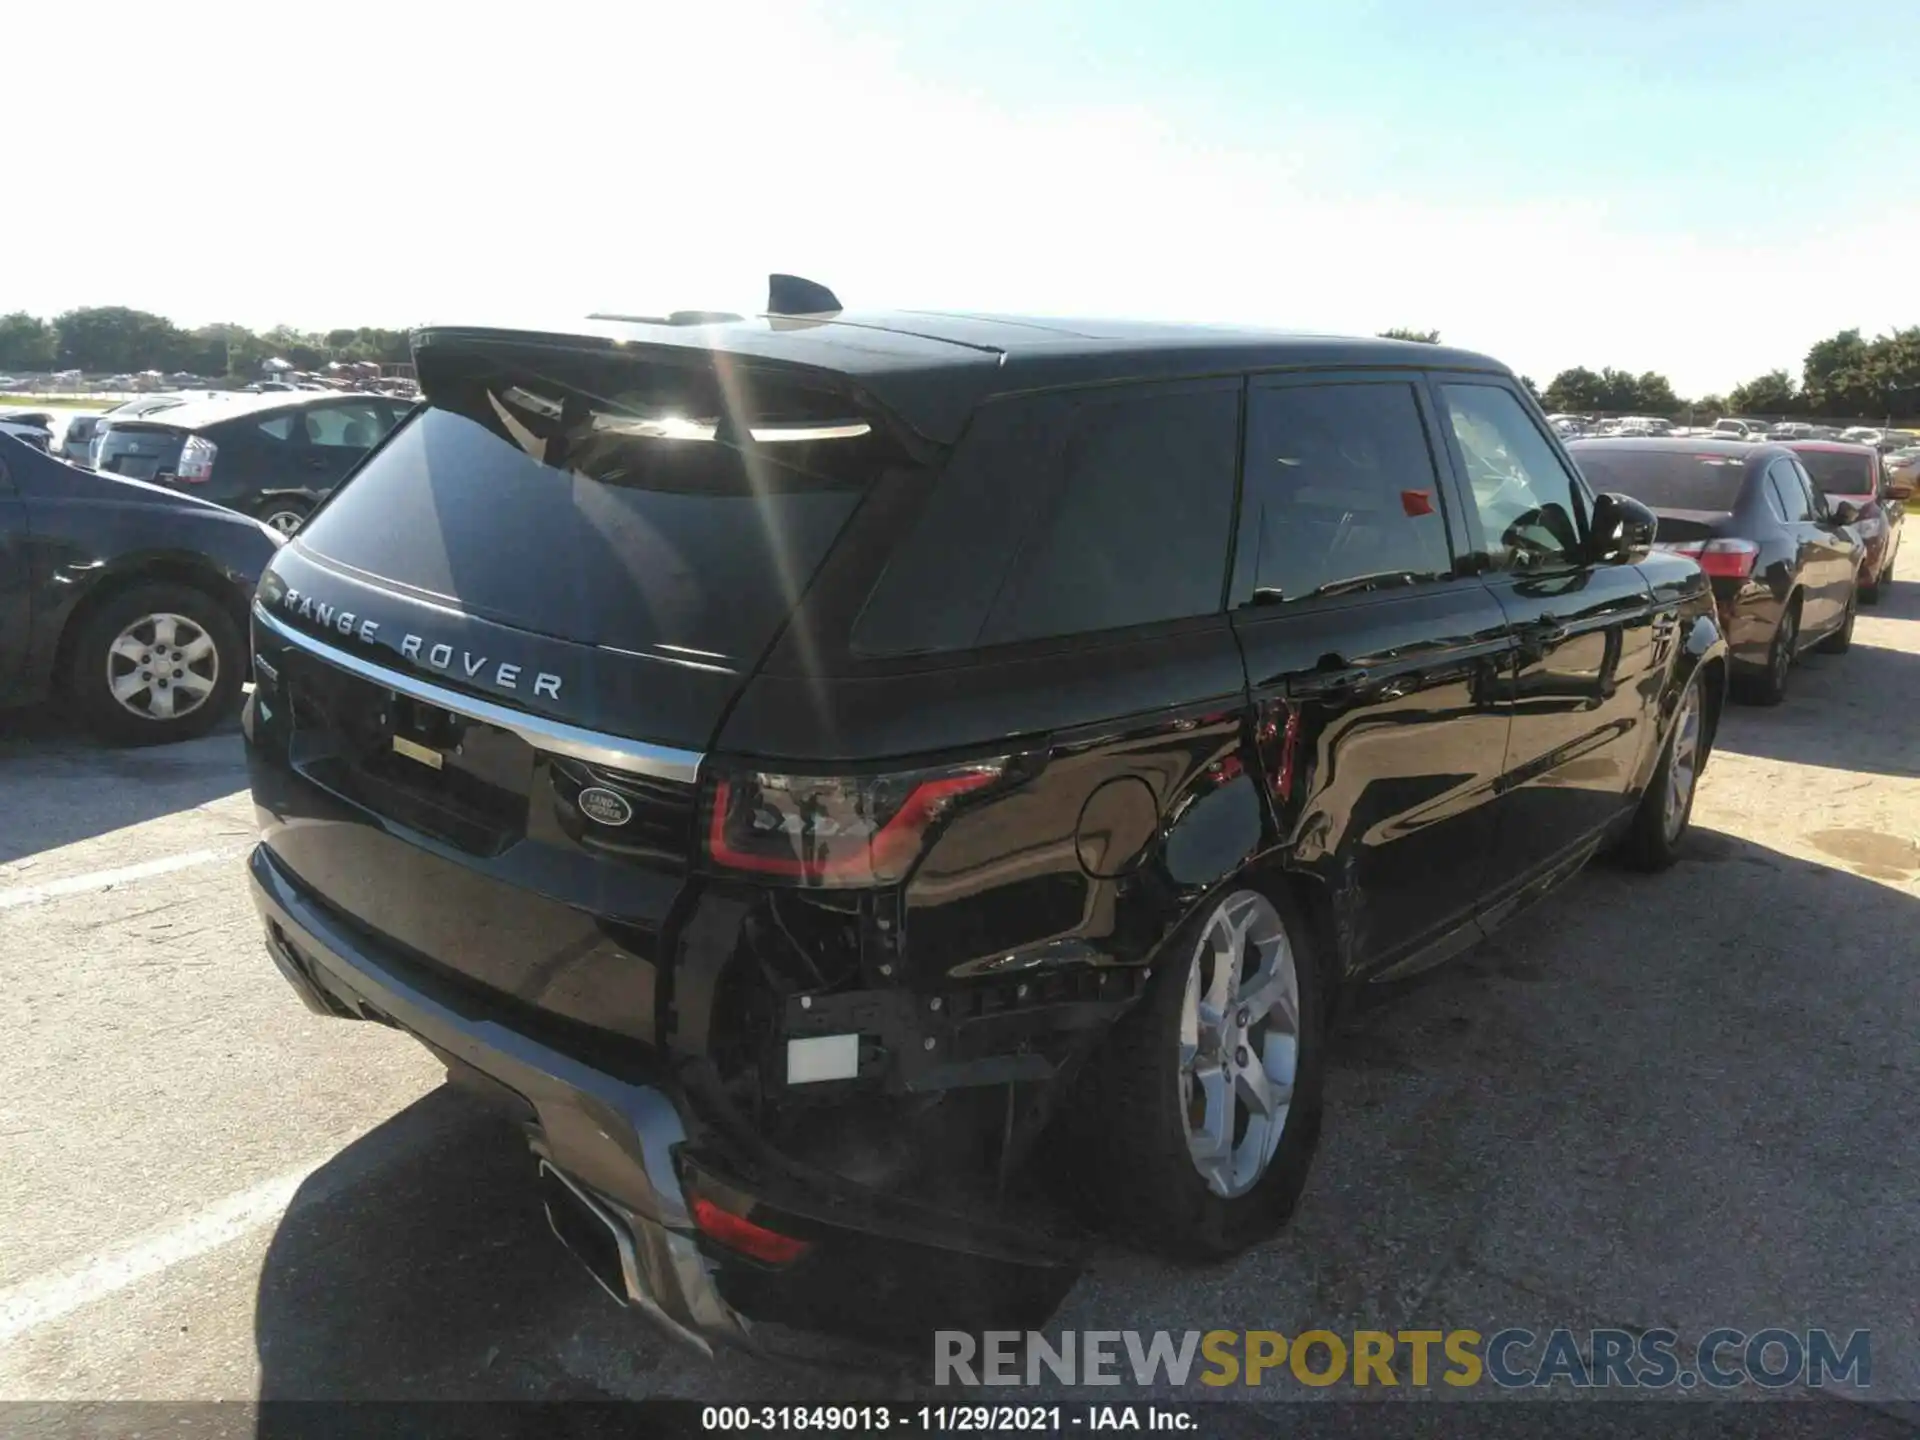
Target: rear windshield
point(644, 507)
point(1665, 479)
point(1837, 473)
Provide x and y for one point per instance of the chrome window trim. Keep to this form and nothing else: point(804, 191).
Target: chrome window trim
point(617, 752)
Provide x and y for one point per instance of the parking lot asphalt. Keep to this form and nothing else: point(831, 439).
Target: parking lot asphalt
point(1685, 1101)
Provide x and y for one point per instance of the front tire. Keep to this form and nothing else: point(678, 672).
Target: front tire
point(285, 516)
point(1666, 809)
point(1205, 1105)
point(154, 664)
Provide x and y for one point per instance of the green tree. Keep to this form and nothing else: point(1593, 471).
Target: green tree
point(1425, 337)
point(1532, 389)
point(1573, 391)
point(26, 342)
point(1653, 394)
point(113, 337)
point(306, 352)
point(1713, 406)
point(1771, 394)
point(1837, 377)
point(227, 349)
point(1895, 374)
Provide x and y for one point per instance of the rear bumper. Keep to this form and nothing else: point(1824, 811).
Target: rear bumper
point(611, 1140)
point(878, 1269)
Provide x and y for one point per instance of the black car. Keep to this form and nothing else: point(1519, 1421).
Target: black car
point(273, 456)
point(1785, 567)
point(29, 427)
point(77, 443)
point(809, 766)
point(126, 600)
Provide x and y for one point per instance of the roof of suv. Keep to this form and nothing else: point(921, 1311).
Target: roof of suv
point(933, 367)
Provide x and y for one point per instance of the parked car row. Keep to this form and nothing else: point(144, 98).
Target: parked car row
point(272, 455)
point(1793, 537)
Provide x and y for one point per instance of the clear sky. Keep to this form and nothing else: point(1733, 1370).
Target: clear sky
point(1693, 187)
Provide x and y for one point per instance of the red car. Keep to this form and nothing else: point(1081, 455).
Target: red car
point(1854, 473)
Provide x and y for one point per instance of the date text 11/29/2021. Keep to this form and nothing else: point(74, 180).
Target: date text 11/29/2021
point(945, 1419)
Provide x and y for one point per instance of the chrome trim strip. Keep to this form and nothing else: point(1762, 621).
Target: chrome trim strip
point(614, 751)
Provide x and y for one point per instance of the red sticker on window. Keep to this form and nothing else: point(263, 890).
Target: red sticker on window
point(1417, 502)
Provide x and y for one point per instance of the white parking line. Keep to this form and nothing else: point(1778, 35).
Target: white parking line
point(107, 879)
point(36, 1302)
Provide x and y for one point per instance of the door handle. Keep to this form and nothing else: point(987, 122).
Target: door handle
point(1546, 630)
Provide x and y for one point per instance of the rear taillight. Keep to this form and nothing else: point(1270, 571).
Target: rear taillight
point(196, 461)
point(740, 1234)
point(1727, 559)
point(835, 830)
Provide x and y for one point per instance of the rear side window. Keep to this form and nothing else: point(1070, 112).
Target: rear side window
point(280, 427)
point(1066, 514)
point(345, 427)
point(945, 574)
point(1140, 519)
point(1341, 490)
point(611, 501)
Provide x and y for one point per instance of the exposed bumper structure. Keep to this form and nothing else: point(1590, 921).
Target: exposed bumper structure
point(607, 1141)
point(626, 1164)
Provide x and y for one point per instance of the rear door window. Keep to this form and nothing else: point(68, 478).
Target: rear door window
point(620, 502)
point(1795, 498)
point(1341, 492)
point(1817, 506)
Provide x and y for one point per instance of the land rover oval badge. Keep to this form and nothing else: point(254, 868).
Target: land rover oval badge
point(604, 807)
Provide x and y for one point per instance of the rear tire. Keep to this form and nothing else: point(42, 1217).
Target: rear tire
point(1841, 640)
point(1666, 808)
point(1175, 1102)
point(156, 663)
point(1770, 687)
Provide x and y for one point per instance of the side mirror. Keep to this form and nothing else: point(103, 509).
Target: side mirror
point(1623, 529)
point(1845, 513)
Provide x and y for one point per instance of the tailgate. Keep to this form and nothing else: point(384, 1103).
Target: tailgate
point(552, 580)
point(140, 450)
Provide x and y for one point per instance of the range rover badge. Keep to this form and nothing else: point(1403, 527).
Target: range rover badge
point(604, 807)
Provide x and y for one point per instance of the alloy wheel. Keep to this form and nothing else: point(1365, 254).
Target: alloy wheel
point(162, 667)
point(285, 521)
point(1783, 647)
point(1239, 1042)
point(1683, 761)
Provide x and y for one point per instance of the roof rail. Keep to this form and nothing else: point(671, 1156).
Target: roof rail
point(792, 295)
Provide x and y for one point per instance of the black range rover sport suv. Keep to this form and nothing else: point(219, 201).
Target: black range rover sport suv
point(814, 767)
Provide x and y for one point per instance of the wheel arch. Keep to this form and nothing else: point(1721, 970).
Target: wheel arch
point(1311, 898)
point(166, 569)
